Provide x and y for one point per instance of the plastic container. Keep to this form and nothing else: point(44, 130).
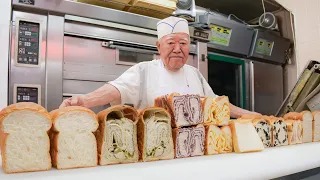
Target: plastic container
point(153, 8)
point(113, 4)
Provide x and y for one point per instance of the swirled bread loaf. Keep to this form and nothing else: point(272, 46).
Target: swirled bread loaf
point(189, 141)
point(155, 134)
point(24, 139)
point(185, 110)
point(117, 135)
point(73, 144)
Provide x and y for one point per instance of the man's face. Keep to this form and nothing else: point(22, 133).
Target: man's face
point(174, 50)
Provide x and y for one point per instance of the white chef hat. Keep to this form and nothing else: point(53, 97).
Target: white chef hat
point(172, 25)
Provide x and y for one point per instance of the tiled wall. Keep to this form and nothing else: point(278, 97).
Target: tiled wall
point(307, 29)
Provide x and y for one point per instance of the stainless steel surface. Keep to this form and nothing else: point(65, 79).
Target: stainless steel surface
point(241, 35)
point(54, 62)
point(202, 59)
point(110, 24)
point(91, 62)
point(252, 84)
point(90, 11)
point(27, 75)
point(106, 33)
point(268, 87)
point(279, 48)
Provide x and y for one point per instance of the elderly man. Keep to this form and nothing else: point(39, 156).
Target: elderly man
point(145, 81)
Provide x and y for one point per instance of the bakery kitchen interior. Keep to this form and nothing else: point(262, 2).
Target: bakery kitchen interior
point(245, 50)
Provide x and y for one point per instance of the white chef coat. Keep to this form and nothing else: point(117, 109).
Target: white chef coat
point(145, 81)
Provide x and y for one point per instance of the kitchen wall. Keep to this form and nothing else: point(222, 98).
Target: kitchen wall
point(307, 29)
point(5, 7)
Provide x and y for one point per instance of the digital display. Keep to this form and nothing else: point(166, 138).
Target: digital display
point(220, 35)
point(27, 94)
point(28, 43)
point(264, 47)
point(201, 34)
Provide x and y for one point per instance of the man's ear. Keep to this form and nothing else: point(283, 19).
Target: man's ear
point(158, 45)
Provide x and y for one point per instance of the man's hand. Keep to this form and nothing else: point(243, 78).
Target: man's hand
point(73, 101)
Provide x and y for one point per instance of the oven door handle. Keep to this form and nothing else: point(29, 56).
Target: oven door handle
point(130, 47)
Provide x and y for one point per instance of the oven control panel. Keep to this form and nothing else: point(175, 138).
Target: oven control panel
point(28, 43)
point(27, 93)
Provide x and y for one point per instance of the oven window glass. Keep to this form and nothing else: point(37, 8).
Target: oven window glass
point(134, 57)
point(224, 77)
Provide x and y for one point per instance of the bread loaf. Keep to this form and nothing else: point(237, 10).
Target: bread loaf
point(295, 131)
point(263, 128)
point(189, 141)
point(185, 110)
point(245, 137)
point(218, 140)
point(316, 126)
point(117, 135)
point(24, 139)
point(307, 119)
point(73, 144)
point(155, 134)
point(279, 132)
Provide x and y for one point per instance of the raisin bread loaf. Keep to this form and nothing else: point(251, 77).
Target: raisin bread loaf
point(245, 137)
point(189, 141)
point(155, 134)
point(279, 132)
point(24, 139)
point(117, 135)
point(263, 128)
point(218, 140)
point(73, 144)
point(185, 110)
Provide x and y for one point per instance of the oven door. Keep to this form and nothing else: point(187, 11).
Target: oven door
point(227, 76)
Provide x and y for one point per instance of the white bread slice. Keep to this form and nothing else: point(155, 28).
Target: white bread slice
point(117, 135)
point(73, 144)
point(221, 111)
point(316, 126)
point(155, 135)
point(245, 137)
point(24, 139)
point(307, 119)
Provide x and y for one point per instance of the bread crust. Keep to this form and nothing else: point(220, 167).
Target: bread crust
point(3, 136)
point(102, 120)
point(55, 114)
point(141, 130)
point(293, 116)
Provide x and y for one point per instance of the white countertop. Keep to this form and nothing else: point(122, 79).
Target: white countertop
point(268, 164)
